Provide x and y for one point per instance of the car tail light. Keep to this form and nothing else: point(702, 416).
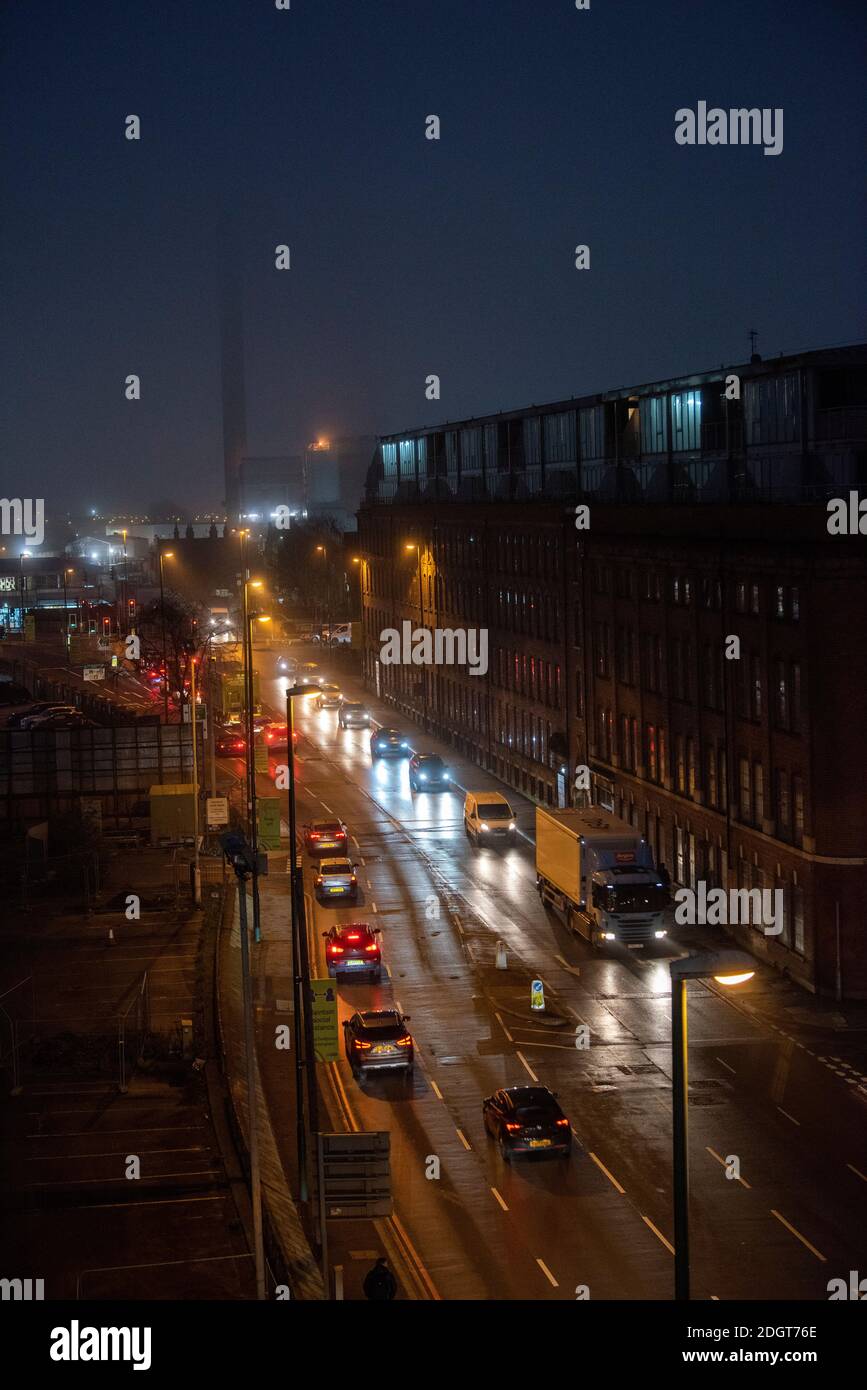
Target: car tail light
point(372, 947)
point(563, 1122)
point(353, 879)
point(335, 950)
point(340, 834)
point(511, 1126)
point(314, 835)
point(362, 1046)
point(353, 936)
point(404, 1042)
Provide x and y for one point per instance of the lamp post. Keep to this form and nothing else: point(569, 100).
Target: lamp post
point(728, 967)
point(66, 615)
point(320, 550)
point(164, 555)
point(301, 977)
point(410, 547)
point(197, 873)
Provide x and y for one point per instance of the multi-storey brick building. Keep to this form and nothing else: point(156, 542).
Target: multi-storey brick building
point(611, 646)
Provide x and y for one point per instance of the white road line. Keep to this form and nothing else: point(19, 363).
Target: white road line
point(601, 1166)
point(803, 1239)
point(547, 1273)
point(327, 808)
point(499, 1199)
point(573, 969)
point(721, 1160)
point(463, 1138)
point(788, 1116)
point(504, 1028)
point(857, 1172)
point(374, 907)
point(436, 1090)
point(726, 1065)
point(398, 1006)
point(658, 1233)
point(527, 1065)
point(355, 842)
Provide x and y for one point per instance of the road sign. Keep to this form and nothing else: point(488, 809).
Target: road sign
point(94, 673)
point(356, 1174)
point(268, 821)
point(217, 811)
point(537, 995)
point(260, 755)
point(326, 1032)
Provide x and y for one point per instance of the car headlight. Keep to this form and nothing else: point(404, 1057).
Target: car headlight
point(484, 826)
point(380, 746)
point(512, 825)
point(404, 745)
point(423, 776)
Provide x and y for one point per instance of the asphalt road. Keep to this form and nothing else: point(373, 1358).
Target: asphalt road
point(794, 1218)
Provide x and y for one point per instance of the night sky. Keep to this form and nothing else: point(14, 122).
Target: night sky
point(408, 256)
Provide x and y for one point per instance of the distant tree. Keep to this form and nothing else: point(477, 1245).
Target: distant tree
point(212, 531)
point(176, 533)
point(190, 532)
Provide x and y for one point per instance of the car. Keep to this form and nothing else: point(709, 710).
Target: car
point(286, 663)
point(229, 743)
point(39, 711)
point(62, 719)
point(308, 673)
point(340, 635)
point(329, 697)
point(428, 773)
point(389, 743)
point(353, 715)
point(336, 879)
point(309, 636)
point(527, 1120)
point(352, 948)
point(277, 735)
point(488, 817)
point(378, 1040)
point(322, 836)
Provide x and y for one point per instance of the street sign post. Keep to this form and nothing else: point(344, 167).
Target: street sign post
point(537, 995)
point(355, 1174)
point(326, 1032)
point(217, 811)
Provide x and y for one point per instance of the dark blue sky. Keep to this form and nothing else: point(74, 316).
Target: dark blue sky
point(408, 256)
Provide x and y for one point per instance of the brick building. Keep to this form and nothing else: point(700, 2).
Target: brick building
point(708, 521)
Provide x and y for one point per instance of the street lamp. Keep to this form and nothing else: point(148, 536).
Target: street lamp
point(729, 968)
point(66, 614)
point(300, 964)
point(320, 550)
point(164, 555)
point(409, 547)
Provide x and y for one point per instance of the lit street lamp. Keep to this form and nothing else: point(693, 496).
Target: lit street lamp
point(164, 555)
point(727, 967)
point(66, 615)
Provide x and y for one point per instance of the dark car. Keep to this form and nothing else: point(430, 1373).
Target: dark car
point(389, 743)
point(325, 837)
point(527, 1120)
point(336, 879)
point(428, 773)
point(353, 715)
point(23, 718)
point(62, 719)
point(229, 743)
point(352, 948)
point(378, 1040)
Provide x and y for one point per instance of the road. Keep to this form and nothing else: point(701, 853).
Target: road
point(781, 1103)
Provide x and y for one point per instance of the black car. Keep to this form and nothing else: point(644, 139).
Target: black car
point(527, 1120)
point(389, 743)
point(378, 1040)
point(353, 715)
point(428, 773)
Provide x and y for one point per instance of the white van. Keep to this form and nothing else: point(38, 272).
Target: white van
point(488, 818)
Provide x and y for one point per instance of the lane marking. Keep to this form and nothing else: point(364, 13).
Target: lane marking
point(463, 1138)
point(857, 1172)
point(547, 1273)
point(658, 1233)
point(601, 1166)
point(504, 1028)
point(527, 1065)
point(436, 1090)
point(726, 1065)
point(788, 1116)
point(715, 1155)
point(499, 1199)
point(375, 908)
point(803, 1239)
point(573, 969)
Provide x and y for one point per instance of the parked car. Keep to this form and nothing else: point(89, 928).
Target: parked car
point(428, 773)
point(488, 817)
point(527, 1119)
point(352, 948)
point(389, 743)
point(378, 1040)
point(336, 879)
point(322, 836)
point(38, 711)
point(340, 635)
point(62, 719)
point(353, 715)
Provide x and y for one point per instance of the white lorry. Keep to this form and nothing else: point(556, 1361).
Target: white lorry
point(598, 872)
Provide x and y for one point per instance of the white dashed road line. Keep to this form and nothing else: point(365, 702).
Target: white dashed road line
point(601, 1166)
point(499, 1199)
point(788, 1116)
point(504, 1028)
point(463, 1138)
point(526, 1064)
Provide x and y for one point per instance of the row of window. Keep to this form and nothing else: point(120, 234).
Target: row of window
point(534, 677)
point(785, 599)
point(528, 613)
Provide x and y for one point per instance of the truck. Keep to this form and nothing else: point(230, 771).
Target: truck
point(597, 872)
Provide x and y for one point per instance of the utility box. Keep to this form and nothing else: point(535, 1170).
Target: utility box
point(172, 813)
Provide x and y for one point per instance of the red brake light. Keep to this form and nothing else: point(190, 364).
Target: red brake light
point(356, 1042)
point(372, 947)
point(404, 1042)
point(314, 834)
point(336, 950)
point(510, 1125)
point(563, 1122)
point(353, 936)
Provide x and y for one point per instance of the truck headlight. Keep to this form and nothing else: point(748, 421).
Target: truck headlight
point(608, 936)
point(484, 826)
point(660, 934)
point(512, 825)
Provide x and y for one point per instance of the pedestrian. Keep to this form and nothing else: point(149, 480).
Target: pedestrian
point(379, 1282)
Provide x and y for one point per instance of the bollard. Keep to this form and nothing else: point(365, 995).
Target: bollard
point(111, 936)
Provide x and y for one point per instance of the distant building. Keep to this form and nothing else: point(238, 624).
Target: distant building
point(707, 509)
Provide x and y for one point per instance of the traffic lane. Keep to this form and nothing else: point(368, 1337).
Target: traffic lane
point(449, 1044)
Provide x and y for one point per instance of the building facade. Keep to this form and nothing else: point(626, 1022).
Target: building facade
point(666, 607)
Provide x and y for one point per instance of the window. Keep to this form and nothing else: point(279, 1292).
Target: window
point(710, 762)
point(754, 598)
point(798, 918)
point(795, 599)
point(759, 792)
point(745, 791)
point(741, 597)
point(756, 685)
point(686, 420)
point(690, 766)
point(654, 431)
point(798, 804)
point(784, 809)
point(680, 763)
point(780, 601)
point(650, 758)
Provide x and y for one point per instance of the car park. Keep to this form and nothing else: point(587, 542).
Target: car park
point(353, 715)
point(335, 880)
point(428, 773)
point(324, 837)
point(352, 948)
point(527, 1120)
point(329, 697)
point(389, 743)
point(378, 1040)
point(488, 818)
